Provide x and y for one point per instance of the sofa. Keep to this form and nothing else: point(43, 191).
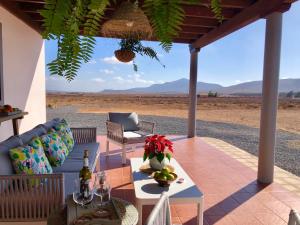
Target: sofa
point(21, 201)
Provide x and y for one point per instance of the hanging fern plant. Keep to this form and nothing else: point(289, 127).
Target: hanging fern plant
point(75, 23)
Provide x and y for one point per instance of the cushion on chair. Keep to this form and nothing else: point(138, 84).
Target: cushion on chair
point(128, 120)
point(6, 167)
point(55, 149)
point(74, 161)
point(50, 124)
point(27, 160)
point(133, 137)
point(64, 131)
point(26, 137)
point(37, 145)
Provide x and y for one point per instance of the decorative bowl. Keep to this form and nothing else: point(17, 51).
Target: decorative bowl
point(166, 183)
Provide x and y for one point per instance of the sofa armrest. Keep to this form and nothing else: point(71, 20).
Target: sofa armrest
point(115, 131)
point(84, 135)
point(147, 127)
point(30, 197)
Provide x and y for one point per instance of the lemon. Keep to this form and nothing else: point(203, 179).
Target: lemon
point(165, 171)
point(170, 177)
point(162, 177)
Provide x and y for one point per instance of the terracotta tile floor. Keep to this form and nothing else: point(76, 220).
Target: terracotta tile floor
point(231, 192)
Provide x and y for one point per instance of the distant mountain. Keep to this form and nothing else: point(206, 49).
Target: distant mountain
point(182, 86)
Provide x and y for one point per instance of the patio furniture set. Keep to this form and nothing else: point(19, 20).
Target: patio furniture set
point(21, 200)
point(31, 196)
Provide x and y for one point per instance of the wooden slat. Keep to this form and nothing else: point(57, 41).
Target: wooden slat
point(206, 12)
point(247, 16)
point(12, 8)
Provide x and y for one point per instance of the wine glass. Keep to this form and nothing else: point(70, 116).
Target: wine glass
point(102, 188)
point(79, 197)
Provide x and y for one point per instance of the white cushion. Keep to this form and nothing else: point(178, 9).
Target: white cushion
point(129, 134)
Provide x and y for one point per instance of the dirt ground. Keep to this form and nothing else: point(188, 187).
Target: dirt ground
point(237, 110)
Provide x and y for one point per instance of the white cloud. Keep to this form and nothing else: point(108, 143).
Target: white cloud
point(113, 60)
point(237, 81)
point(118, 78)
point(92, 61)
point(98, 80)
point(107, 71)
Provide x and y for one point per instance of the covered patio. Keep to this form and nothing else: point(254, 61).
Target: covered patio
point(238, 188)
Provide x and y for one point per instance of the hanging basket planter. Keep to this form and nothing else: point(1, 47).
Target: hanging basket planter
point(129, 21)
point(124, 55)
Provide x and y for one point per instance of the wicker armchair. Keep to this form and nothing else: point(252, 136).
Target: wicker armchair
point(117, 133)
point(34, 197)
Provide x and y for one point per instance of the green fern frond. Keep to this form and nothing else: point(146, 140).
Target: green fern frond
point(216, 8)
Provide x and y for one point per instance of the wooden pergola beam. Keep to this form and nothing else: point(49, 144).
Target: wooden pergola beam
point(238, 4)
point(20, 14)
point(258, 10)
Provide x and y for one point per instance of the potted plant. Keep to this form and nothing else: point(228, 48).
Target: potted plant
point(130, 47)
point(157, 148)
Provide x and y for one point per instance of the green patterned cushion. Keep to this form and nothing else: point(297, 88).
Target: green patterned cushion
point(37, 145)
point(65, 133)
point(26, 160)
point(55, 149)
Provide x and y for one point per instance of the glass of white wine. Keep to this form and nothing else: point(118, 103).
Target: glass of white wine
point(102, 188)
point(78, 195)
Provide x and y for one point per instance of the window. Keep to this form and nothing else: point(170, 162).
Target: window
point(1, 68)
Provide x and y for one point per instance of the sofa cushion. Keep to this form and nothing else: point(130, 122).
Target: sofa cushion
point(37, 145)
point(74, 161)
point(128, 120)
point(6, 167)
point(35, 132)
point(51, 124)
point(27, 160)
point(64, 131)
point(55, 149)
point(133, 137)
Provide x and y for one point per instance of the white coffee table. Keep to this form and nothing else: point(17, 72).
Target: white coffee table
point(147, 191)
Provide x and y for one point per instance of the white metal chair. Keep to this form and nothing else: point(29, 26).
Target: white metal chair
point(294, 218)
point(161, 213)
point(126, 130)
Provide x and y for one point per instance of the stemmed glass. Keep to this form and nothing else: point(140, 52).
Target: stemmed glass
point(78, 196)
point(102, 188)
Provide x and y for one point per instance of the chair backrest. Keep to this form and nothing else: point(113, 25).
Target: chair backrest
point(129, 121)
point(161, 213)
point(294, 218)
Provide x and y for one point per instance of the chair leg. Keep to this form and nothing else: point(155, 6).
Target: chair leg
point(123, 154)
point(107, 148)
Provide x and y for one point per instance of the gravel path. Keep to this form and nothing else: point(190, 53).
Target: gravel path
point(241, 136)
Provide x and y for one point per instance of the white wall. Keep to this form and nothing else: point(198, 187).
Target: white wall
point(23, 72)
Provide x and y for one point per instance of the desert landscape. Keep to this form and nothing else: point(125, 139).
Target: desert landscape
point(236, 110)
point(234, 120)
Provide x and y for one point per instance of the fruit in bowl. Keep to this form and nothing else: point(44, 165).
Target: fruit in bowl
point(164, 177)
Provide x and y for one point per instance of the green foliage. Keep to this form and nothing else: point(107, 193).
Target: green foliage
point(211, 94)
point(74, 23)
point(136, 46)
point(63, 22)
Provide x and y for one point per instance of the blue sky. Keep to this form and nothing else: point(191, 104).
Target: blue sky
point(234, 59)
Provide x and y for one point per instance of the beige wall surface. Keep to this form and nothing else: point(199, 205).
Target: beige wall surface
point(23, 72)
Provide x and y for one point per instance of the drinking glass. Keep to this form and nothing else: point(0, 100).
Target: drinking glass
point(78, 197)
point(102, 188)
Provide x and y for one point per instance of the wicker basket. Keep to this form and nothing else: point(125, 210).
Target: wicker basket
point(128, 21)
point(124, 55)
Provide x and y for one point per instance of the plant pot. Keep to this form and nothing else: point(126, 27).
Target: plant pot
point(124, 55)
point(156, 165)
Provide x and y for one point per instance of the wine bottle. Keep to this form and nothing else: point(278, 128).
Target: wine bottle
point(85, 176)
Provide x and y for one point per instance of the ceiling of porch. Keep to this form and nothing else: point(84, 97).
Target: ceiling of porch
point(200, 26)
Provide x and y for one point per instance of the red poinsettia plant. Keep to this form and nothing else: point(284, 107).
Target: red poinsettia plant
point(157, 146)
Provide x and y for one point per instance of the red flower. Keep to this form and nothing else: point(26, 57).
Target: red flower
point(157, 144)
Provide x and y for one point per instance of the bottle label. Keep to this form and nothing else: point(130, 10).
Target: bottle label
point(86, 162)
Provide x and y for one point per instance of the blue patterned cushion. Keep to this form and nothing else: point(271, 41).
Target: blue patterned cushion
point(55, 149)
point(65, 133)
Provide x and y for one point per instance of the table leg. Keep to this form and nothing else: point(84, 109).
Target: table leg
point(200, 213)
point(140, 211)
point(15, 126)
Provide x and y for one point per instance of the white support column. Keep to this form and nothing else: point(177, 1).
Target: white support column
point(267, 137)
point(193, 92)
